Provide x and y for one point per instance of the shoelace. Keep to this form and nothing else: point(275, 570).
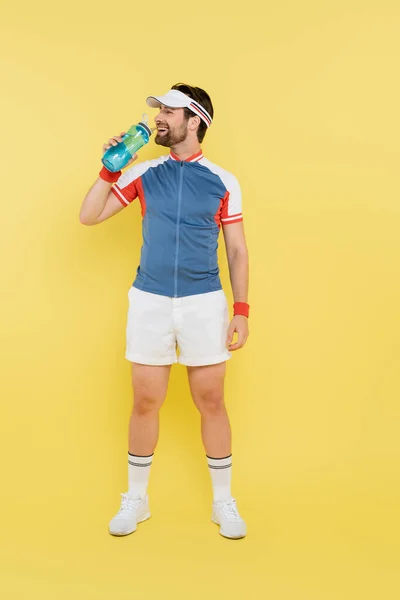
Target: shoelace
point(229, 510)
point(128, 504)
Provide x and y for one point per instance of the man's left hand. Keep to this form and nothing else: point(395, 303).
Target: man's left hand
point(240, 325)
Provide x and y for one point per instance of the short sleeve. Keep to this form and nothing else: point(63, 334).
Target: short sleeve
point(126, 188)
point(232, 203)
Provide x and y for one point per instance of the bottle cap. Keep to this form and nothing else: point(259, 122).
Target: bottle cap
point(146, 127)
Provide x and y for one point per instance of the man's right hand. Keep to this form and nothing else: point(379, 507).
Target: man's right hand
point(113, 142)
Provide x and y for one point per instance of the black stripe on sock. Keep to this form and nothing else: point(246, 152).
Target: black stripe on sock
point(139, 464)
point(220, 467)
point(223, 458)
point(138, 455)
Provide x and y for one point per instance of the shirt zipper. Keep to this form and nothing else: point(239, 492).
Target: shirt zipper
point(177, 229)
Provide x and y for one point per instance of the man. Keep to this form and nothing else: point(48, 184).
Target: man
point(177, 299)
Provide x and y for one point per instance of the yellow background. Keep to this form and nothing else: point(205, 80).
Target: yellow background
point(306, 98)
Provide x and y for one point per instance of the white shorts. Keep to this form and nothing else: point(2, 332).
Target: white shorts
point(157, 325)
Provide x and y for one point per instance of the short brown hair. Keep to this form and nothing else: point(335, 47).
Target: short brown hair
point(202, 98)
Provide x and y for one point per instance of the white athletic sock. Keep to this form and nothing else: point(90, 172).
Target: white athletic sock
point(221, 474)
point(138, 474)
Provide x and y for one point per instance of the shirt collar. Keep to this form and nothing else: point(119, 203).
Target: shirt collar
point(194, 158)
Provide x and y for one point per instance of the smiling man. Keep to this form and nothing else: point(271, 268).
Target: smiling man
point(176, 300)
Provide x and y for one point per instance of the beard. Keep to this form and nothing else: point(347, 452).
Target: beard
point(171, 138)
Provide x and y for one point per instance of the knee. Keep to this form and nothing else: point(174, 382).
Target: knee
point(211, 403)
point(145, 404)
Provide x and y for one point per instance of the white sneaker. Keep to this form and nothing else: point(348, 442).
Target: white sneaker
point(226, 515)
point(133, 510)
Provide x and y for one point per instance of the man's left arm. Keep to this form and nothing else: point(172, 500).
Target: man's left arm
point(238, 262)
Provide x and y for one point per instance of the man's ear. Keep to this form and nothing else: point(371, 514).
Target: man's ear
point(194, 122)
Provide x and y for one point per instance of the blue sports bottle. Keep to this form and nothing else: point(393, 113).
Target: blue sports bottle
point(117, 157)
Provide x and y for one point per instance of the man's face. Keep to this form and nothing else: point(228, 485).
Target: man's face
point(172, 127)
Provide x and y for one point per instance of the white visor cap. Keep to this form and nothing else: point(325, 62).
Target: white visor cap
point(177, 99)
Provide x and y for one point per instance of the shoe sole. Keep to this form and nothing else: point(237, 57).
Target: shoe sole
point(229, 537)
point(145, 517)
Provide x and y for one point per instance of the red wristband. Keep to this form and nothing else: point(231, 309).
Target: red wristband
point(241, 308)
point(106, 175)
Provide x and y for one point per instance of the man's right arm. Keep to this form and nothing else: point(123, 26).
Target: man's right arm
point(100, 203)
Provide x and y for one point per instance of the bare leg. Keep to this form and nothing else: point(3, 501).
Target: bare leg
point(150, 384)
point(207, 389)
